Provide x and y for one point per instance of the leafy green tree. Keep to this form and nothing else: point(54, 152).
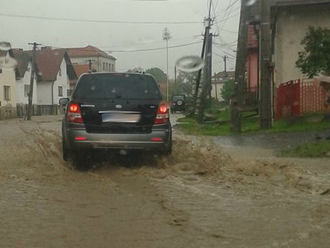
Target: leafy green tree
point(315, 58)
point(185, 82)
point(227, 90)
point(159, 75)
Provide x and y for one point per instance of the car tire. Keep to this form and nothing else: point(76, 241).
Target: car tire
point(81, 160)
point(168, 148)
point(65, 151)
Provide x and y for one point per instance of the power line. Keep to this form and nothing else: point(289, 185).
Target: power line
point(229, 6)
point(177, 39)
point(94, 21)
point(232, 56)
point(154, 49)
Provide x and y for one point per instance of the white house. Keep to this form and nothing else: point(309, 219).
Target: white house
point(54, 73)
point(23, 78)
point(7, 88)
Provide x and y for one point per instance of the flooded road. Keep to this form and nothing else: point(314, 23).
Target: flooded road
point(207, 194)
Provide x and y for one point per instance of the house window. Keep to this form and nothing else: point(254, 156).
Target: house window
point(60, 91)
point(60, 72)
point(103, 66)
point(26, 90)
point(69, 92)
point(6, 93)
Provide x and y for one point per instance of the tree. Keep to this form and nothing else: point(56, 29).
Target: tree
point(136, 69)
point(227, 91)
point(315, 58)
point(185, 82)
point(159, 75)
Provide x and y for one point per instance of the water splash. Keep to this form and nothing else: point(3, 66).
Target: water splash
point(190, 63)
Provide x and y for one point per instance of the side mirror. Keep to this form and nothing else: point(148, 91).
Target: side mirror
point(63, 101)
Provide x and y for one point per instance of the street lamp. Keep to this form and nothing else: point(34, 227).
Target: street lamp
point(166, 37)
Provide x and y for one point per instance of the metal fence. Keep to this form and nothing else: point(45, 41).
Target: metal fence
point(21, 110)
point(297, 97)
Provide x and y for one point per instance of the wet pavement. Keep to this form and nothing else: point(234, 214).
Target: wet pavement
point(201, 197)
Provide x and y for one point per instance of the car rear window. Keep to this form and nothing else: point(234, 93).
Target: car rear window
point(117, 85)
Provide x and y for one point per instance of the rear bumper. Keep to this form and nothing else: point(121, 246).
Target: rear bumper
point(154, 141)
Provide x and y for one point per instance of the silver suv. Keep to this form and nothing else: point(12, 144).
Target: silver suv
point(115, 112)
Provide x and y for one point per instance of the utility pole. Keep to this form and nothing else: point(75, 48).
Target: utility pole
point(166, 37)
point(236, 100)
point(198, 79)
point(33, 69)
point(225, 64)
point(175, 82)
point(207, 67)
point(265, 66)
point(90, 63)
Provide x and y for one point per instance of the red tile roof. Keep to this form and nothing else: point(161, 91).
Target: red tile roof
point(89, 51)
point(48, 63)
point(80, 69)
point(23, 59)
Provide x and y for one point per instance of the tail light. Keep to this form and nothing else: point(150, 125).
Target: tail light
point(74, 114)
point(163, 115)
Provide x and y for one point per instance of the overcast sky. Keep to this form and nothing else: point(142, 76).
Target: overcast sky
point(130, 29)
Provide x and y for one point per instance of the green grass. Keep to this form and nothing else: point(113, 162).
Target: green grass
point(311, 150)
point(251, 126)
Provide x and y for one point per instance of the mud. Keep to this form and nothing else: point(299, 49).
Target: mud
point(207, 194)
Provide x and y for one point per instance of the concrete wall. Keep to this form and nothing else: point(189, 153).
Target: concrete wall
point(292, 25)
point(21, 98)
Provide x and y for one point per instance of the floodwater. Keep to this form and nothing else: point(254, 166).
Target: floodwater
point(211, 192)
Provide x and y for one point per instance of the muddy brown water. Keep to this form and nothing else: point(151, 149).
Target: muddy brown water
point(207, 194)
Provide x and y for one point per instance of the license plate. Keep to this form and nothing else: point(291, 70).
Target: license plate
point(121, 117)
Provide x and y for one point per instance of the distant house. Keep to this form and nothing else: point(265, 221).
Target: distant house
point(7, 89)
point(23, 79)
point(54, 73)
point(92, 58)
point(218, 81)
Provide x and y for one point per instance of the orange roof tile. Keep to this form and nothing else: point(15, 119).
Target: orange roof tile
point(80, 69)
point(89, 51)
